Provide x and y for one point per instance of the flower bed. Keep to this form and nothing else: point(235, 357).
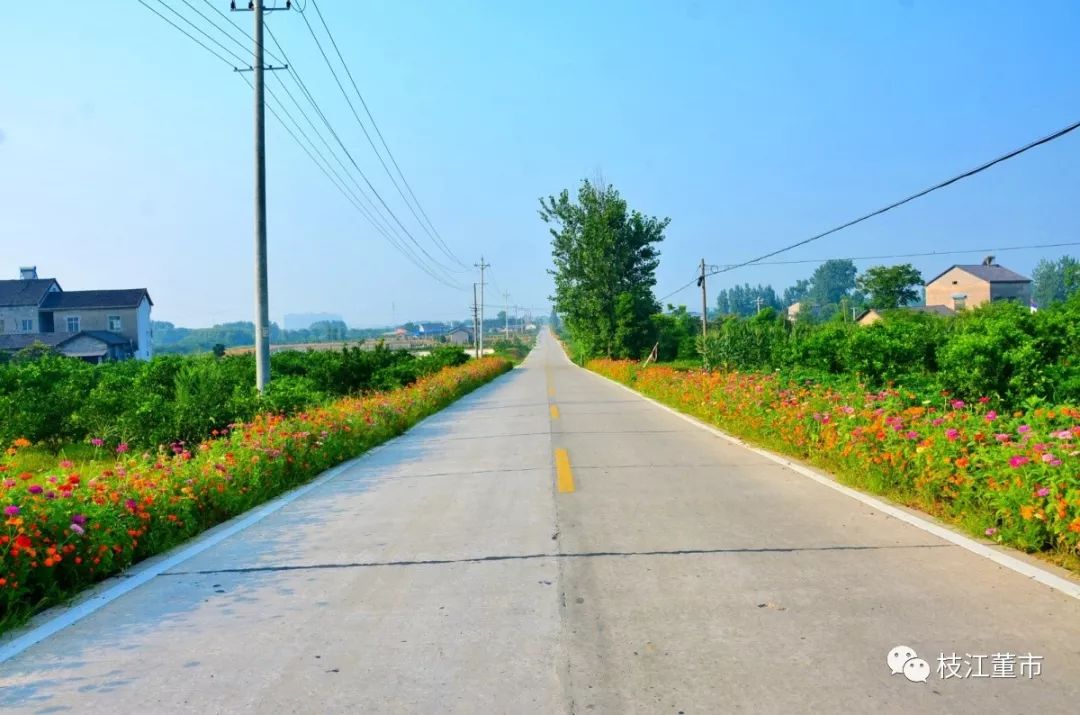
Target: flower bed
point(71, 525)
point(1014, 478)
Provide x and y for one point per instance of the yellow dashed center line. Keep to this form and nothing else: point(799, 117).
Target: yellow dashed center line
point(564, 476)
point(554, 412)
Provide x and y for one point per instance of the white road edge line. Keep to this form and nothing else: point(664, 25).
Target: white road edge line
point(1046, 578)
point(145, 571)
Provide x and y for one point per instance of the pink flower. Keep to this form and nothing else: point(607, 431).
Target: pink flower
point(1002, 437)
point(1017, 461)
point(958, 404)
point(937, 422)
point(11, 510)
point(1023, 429)
point(1042, 492)
point(97, 441)
point(35, 489)
point(991, 531)
point(77, 529)
point(1063, 434)
point(1047, 457)
point(991, 416)
point(983, 400)
point(121, 448)
point(952, 434)
point(912, 434)
point(131, 504)
point(66, 464)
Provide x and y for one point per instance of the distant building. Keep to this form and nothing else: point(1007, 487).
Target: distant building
point(460, 336)
point(94, 325)
point(969, 286)
point(873, 315)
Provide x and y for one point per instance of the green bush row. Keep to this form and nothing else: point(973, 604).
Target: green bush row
point(56, 400)
point(1000, 350)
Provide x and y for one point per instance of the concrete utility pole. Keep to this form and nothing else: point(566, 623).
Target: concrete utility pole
point(758, 301)
point(481, 265)
point(475, 316)
point(262, 299)
point(704, 303)
point(506, 314)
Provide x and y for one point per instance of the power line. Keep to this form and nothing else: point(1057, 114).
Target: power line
point(996, 249)
point(352, 107)
point(924, 192)
point(205, 34)
point(404, 249)
point(233, 23)
point(890, 207)
point(318, 110)
point(438, 238)
point(191, 37)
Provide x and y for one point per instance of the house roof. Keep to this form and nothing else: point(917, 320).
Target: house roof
point(990, 274)
point(935, 309)
point(25, 292)
point(12, 342)
point(84, 299)
point(99, 335)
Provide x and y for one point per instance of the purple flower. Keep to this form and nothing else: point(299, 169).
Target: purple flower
point(50, 494)
point(35, 489)
point(79, 519)
point(1042, 492)
point(131, 504)
point(11, 510)
point(77, 529)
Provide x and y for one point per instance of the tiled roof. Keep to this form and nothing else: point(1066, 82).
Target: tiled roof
point(24, 292)
point(84, 299)
point(990, 274)
point(18, 341)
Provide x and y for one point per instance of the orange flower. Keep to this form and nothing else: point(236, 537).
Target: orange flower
point(1027, 512)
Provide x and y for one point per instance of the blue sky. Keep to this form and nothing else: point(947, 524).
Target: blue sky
point(126, 150)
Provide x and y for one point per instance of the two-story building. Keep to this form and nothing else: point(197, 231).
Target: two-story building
point(93, 325)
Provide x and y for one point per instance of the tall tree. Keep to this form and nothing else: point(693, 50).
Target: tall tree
point(797, 292)
point(605, 264)
point(832, 281)
point(742, 300)
point(1055, 281)
point(890, 286)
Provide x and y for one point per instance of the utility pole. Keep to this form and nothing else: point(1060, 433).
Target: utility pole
point(262, 299)
point(481, 265)
point(506, 314)
point(758, 301)
point(475, 314)
point(704, 302)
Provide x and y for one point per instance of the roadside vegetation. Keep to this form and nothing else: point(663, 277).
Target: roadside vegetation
point(60, 404)
point(69, 523)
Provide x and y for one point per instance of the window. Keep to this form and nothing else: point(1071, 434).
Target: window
point(27, 325)
point(1, 325)
point(73, 324)
point(114, 323)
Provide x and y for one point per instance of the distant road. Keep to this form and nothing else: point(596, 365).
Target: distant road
point(555, 544)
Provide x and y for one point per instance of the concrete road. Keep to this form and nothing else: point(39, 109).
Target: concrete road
point(555, 544)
